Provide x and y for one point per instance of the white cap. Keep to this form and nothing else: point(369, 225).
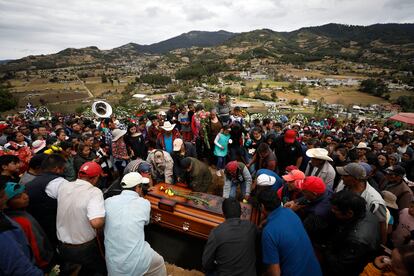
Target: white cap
point(133, 179)
point(265, 180)
point(177, 144)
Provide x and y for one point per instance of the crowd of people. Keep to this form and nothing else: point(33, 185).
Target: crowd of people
point(336, 197)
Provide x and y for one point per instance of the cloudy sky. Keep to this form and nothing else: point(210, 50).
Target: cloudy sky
point(44, 26)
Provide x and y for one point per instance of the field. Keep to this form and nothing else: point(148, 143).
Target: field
point(267, 83)
point(342, 95)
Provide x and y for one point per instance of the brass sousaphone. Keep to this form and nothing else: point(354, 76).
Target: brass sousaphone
point(102, 109)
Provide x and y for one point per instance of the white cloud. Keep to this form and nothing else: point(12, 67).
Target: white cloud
point(46, 26)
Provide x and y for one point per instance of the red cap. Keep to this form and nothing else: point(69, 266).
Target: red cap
point(231, 167)
point(314, 184)
point(90, 169)
point(294, 175)
point(290, 136)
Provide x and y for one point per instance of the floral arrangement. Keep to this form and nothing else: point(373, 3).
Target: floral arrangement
point(188, 195)
point(204, 121)
point(23, 153)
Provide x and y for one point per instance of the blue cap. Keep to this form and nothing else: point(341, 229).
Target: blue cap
point(144, 167)
point(13, 189)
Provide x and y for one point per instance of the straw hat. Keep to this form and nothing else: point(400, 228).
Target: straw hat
point(390, 199)
point(363, 145)
point(318, 153)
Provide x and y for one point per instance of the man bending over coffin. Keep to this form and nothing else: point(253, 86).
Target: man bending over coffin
point(197, 174)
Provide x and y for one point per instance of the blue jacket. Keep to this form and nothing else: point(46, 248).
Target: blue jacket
point(15, 253)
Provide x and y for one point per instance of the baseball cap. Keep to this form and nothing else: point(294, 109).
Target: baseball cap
point(177, 144)
point(294, 175)
point(133, 179)
point(314, 184)
point(13, 189)
point(290, 136)
point(352, 169)
point(265, 180)
point(397, 170)
point(231, 167)
point(144, 167)
point(367, 167)
point(90, 169)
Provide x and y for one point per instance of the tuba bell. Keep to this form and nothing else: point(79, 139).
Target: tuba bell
point(102, 109)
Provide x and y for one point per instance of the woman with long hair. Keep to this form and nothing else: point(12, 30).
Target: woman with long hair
point(136, 143)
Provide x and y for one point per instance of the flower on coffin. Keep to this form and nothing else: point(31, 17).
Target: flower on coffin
point(171, 192)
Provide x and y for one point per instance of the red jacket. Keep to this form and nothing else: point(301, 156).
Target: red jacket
point(161, 141)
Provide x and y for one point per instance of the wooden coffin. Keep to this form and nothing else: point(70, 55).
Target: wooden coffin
point(193, 217)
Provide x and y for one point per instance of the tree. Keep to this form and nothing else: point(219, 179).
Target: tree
point(304, 90)
point(406, 103)
point(8, 101)
point(104, 79)
point(156, 79)
point(376, 87)
point(259, 87)
point(273, 96)
point(228, 90)
point(294, 102)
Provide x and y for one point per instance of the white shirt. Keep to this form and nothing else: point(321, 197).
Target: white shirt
point(327, 173)
point(52, 189)
point(78, 203)
point(374, 201)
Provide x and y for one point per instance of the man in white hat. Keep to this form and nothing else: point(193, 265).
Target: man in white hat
point(166, 137)
point(126, 251)
point(319, 166)
point(362, 150)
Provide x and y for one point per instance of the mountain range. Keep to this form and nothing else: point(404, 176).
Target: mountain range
point(390, 45)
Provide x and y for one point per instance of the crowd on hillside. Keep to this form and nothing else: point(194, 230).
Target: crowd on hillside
point(336, 198)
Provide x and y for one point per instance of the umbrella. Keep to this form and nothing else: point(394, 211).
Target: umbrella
point(407, 118)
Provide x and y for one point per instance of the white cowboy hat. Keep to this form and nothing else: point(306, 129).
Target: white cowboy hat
point(117, 133)
point(363, 145)
point(168, 126)
point(318, 153)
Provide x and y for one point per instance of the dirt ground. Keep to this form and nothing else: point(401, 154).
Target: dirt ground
point(173, 270)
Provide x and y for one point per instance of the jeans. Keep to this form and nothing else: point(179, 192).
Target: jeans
point(230, 189)
point(221, 160)
point(120, 165)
